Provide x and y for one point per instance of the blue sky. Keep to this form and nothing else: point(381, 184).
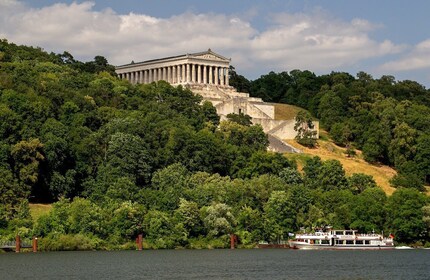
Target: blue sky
point(379, 37)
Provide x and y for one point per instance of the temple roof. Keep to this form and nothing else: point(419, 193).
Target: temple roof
point(207, 55)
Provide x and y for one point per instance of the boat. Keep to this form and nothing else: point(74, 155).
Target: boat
point(266, 245)
point(341, 240)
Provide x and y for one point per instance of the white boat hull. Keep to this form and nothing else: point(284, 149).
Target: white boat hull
point(301, 246)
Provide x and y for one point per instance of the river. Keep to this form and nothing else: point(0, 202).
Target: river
point(218, 264)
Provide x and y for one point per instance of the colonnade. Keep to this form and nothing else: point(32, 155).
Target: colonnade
point(180, 74)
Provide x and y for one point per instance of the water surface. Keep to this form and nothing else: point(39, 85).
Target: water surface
point(218, 264)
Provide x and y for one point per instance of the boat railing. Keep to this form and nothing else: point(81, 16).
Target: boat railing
point(368, 235)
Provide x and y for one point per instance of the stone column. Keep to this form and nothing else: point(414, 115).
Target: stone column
point(160, 74)
point(183, 73)
point(210, 75)
point(226, 76)
point(188, 79)
point(199, 74)
point(169, 74)
point(205, 74)
point(140, 77)
point(150, 76)
point(178, 74)
point(221, 76)
point(193, 73)
point(216, 75)
point(174, 76)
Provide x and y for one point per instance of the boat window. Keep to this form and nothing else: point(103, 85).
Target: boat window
point(359, 242)
point(325, 241)
point(366, 242)
point(339, 232)
point(349, 242)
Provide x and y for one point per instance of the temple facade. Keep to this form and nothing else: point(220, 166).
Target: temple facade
point(203, 68)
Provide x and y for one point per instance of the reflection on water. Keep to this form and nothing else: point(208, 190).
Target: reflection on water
point(218, 264)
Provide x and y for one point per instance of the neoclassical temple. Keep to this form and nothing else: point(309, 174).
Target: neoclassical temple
point(203, 68)
point(206, 74)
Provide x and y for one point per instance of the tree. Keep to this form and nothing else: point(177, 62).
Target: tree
point(12, 193)
point(312, 169)
point(210, 114)
point(188, 214)
point(240, 118)
point(330, 109)
point(405, 216)
point(128, 154)
point(291, 176)
point(360, 182)
point(264, 163)
point(28, 156)
point(218, 219)
point(402, 147)
point(170, 184)
point(332, 176)
point(306, 134)
point(239, 82)
point(367, 211)
point(280, 215)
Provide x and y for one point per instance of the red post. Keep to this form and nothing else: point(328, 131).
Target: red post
point(139, 242)
point(34, 244)
point(17, 244)
point(232, 240)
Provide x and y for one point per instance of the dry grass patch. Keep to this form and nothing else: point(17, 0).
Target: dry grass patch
point(286, 111)
point(38, 209)
point(328, 150)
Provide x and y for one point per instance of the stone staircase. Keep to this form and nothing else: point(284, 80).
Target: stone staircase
point(279, 146)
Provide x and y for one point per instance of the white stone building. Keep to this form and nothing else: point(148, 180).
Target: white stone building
point(206, 73)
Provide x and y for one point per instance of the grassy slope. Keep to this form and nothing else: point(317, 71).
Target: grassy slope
point(328, 150)
point(286, 111)
point(37, 210)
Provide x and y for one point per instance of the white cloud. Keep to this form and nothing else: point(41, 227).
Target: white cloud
point(417, 58)
point(312, 41)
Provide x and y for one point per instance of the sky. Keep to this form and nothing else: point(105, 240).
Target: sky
point(379, 37)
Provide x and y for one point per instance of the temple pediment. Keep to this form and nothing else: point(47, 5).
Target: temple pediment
point(210, 55)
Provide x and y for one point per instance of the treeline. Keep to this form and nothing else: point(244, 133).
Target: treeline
point(388, 120)
point(121, 159)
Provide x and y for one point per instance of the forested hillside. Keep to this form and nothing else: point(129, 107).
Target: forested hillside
point(118, 159)
point(388, 120)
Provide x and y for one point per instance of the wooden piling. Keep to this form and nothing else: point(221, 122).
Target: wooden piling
point(34, 244)
point(17, 244)
point(139, 242)
point(232, 241)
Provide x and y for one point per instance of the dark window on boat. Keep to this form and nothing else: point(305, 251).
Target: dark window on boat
point(366, 242)
point(339, 232)
point(349, 242)
point(325, 241)
point(339, 241)
point(359, 242)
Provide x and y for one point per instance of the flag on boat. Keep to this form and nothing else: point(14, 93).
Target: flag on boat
point(391, 235)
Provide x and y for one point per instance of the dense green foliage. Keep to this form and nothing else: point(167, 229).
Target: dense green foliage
point(388, 120)
point(119, 159)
